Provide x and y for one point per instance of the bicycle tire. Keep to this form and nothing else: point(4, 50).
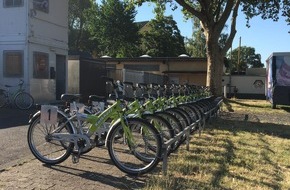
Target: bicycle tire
point(200, 111)
point(23, 101)
point(163, 126)
point(183, 120)
point(185, 115)
point(196, 110)
point(3, 98)
point(193, 116)
point(134, 157)
point(44, 149)
point(175, 124)
point(200, 115)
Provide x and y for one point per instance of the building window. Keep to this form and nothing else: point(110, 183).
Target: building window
point(41, 5)
point(12, 3)
point(13, 63)
point(40, 65)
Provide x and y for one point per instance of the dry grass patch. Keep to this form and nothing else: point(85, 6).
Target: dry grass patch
point(234, 152)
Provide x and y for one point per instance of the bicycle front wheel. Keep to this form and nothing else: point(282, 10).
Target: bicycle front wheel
point(163, 126)
point(23, 101)
point(136, 148)
point(175, 124)
point(42, 146)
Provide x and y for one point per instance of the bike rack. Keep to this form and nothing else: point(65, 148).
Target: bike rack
point(168, 143)
point(211, 113)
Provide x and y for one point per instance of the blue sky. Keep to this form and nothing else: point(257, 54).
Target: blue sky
point(266, 36)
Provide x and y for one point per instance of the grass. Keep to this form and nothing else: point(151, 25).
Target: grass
point(235, 151)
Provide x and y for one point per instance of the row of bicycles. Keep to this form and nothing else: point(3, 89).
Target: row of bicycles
point(140, 125)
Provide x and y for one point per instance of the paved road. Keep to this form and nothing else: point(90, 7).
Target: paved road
point(20, 170)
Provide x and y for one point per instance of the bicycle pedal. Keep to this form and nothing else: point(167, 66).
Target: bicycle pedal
point(75, 158)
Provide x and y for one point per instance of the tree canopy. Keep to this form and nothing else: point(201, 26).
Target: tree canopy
point(242, 58)
point(163, 39)
point(79, 22)
point(109, 28)
point(115, 29)
point(105, 29)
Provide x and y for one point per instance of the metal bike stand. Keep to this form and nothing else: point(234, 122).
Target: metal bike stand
point(212, 112)
point(186, 131)
point(168, 143)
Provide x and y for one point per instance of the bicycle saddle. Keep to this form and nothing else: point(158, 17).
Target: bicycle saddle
point(97, 98)
point(70, 97)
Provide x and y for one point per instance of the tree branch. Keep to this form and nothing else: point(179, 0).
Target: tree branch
point(218, 9)
point(233, 32)
point(223, 19)
point(192, 10)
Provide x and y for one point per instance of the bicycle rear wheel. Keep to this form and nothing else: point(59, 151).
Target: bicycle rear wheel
point(3, 98)
point(23, 100)
point(44, 148)
point(140, 153)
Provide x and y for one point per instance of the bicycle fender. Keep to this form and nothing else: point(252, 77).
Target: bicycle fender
point(34, 117)
point(112, 126)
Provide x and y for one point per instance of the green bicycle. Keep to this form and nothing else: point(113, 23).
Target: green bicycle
point(134, 145)
point(20, 98)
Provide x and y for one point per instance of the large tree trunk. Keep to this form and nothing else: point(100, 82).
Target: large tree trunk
point(213, 16)
point(215, 62)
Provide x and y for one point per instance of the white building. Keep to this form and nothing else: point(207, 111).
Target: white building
point(34, 46)
point(250, 86)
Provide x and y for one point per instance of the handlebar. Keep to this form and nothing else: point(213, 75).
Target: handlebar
point(20, 83)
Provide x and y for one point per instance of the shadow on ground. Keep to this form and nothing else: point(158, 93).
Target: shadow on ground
point(12, 117)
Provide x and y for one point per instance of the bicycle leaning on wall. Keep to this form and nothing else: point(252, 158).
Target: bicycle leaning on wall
point(19, 98)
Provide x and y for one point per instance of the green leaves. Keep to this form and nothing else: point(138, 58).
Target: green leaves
point(105, 29)
point(163, 39)
point(267, 9)
point(247, 59)
point(116, 29)
point(80, 19)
